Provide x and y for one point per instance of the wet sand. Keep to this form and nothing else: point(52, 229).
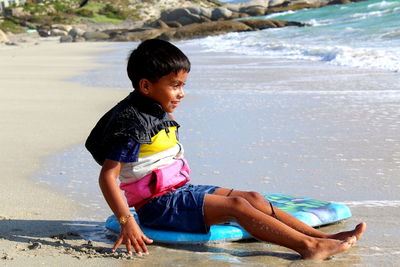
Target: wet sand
point(42, 114)
point(272, 125)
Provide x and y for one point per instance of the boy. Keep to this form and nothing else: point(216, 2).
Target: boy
point(137, 141)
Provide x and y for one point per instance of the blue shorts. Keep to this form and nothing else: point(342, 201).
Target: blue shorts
point(180, 210)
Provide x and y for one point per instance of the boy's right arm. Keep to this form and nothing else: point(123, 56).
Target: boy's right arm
point(131, 234)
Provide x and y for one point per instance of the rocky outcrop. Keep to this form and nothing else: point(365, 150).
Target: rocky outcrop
point(96, 36)
point(285, 5)
point(259, 24)
point(137, 34)
point(198, 30)
point(3, 37)
point(189, 15)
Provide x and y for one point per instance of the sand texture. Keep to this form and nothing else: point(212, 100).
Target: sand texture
point(41, 113)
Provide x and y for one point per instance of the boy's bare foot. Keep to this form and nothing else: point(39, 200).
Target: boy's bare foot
point(325, 248)
point(357, 232)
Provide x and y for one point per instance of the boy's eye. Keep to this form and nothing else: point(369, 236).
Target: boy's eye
point(177, 85)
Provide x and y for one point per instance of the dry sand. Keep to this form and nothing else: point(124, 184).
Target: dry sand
point(41, 113)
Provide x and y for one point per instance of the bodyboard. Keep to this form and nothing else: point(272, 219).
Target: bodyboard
point(310, 211)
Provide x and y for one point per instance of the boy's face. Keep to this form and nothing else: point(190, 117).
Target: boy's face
point(167, 91)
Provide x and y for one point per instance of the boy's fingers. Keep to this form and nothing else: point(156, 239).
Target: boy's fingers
point(128, 247)
point(136, 246)
point(117, 244)
point(147, 240)
point(142, 245)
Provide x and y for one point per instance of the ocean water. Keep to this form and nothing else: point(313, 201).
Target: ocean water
point(361, 34)
point(278, 119)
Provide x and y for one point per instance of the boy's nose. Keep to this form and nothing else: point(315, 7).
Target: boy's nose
point(181, 93)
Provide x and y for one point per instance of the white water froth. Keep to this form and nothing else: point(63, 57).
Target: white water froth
point(372, 57)
point(382, 4)
point(373, 203)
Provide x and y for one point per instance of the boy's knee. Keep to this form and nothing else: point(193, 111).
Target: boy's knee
point(238, 203)
point(254, 196)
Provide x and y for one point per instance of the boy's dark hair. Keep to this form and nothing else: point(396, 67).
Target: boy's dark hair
point(153, 59)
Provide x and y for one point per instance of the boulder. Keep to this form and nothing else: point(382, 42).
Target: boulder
point(75, 32)
point(285, 5)
point(182, 15)
point(194, 10)
point(95, 36)
point(205, 19)
point(254, 10)
point(200, 11)
point(160, 24)
point(43, 32)
point(274, 3)
point(3, 37)
point(189, 19)
point(79, 39)
point(173, 24)
point(57, 32)
point(66, 39)
point(65, 28)
point(19, 12)
point(221, 13)
point(199, 30)
point(260, 24)
point(136, 36)
point(174, 14)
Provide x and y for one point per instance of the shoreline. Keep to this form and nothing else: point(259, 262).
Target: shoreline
point(19, 237)
point(39, 107)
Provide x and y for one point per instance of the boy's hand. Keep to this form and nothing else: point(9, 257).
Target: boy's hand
point(132, 236)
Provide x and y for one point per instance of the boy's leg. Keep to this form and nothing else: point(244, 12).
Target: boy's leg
point(219, 209)
point(258, 202)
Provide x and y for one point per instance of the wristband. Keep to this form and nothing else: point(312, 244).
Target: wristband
point(123, 219)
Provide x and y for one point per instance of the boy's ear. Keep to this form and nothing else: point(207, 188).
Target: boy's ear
point(144, 86)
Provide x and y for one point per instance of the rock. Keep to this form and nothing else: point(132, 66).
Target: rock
point(199, 30)
point(182, 15)
point(136, 36)
point(75, 32)
point(274, 3)
point(260, 24)
point(201, 11)
point(173, 24)
point(159, 24)
point(79, 39)
point(43, 33)
point(285, 5)
point(194, 10)
point(35, 245)
point(57, 32)
point(221, 13)
point(205, 19)
point(19, 12)
point(254, 10)
point(7, 257)
point(189, 19)
point(174, 14)
point(3, 39)
point(95, 36)
point(65, 28)
point(66, 39)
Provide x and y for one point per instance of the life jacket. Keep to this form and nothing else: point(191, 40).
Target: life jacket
point(157, 183)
